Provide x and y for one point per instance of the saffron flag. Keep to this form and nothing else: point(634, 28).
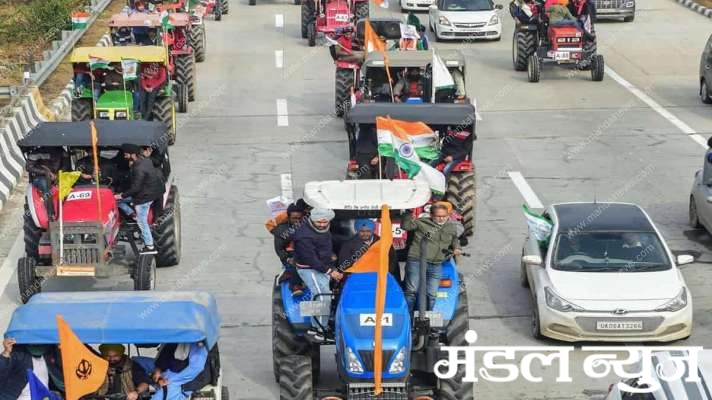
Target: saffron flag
point(98, 63)
point(84, 372)
point(80, 19)
point(66, 182)
point(371, 39)
point(408, 143)
point(38, 390)
point(376, 260)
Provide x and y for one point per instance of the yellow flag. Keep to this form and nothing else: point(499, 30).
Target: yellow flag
point(66, 182)
point(84, 372)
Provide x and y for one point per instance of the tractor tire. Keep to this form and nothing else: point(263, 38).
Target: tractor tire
point(344, 80)
point(295, 380)
point(225, 6)
point(163, 111)
point(362, 10)
point(305, 18)
point(284, 342)
point(82, 109)
point(597, 68)
point(185, 74)
point(182, 97)
point(462, 193)
point(198, 41)
point(705, 93)
point(27, 280)
point(217, 13)
point(523, 45)
point(454, 388)
point(144, 276)
point(167, 234)
point(311, 34)
point(534, 68)
point(32, 234)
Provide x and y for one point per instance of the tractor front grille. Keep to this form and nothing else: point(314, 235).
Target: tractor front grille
point(81, 256)
point(367, 358)
point(84, 243)
point(391, 391)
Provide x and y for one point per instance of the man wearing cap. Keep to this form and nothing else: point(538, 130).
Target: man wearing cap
point(123, 375)
point(146, 186)
point(284, 247)
point(352, 250)
point(315, 259)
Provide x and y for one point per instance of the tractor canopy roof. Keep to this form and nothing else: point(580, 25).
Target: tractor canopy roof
point(151, 20)
point(401, 59)
point(367, 194)
point(110, 134)
point(458, 114)
point(119, 317)
point(388, 27)
point(117, 53)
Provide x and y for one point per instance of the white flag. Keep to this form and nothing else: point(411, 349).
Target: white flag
point(441, 75)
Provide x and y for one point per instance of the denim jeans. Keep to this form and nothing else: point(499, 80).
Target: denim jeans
point(318, 283)
point(147, 101)
point(125, 206)
point(142, 218)
point(412, 282)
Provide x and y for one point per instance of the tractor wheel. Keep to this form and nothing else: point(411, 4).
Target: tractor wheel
point(168, 233)
point(523, 44)
point(462, 193)
point(27, 278)
point(295, 380)
point(284, 342)
point(311, 34)
point(185, 74)
point(306, 17)
point(182, 95)
point(163, 111)
point(225, 6)
point(224, 393)
point(344, 81)
point(217, 13)
point(145, 273)
point(198, 41)
point(534, 68)
point(362, 10)
point(705, 93)
point(454, 388)
point(82, 109)
point(32, 234)
point(597, 68)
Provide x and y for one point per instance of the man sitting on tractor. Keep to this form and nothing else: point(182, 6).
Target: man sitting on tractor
point(343, 50)
point(176, 371)
point(353, 249)
point(153, 77)
point(560, 15)
point(43, 167)
point(123, 376)
point(585, 12)
point(454, 149)
point(409, 86)
point(284, 247)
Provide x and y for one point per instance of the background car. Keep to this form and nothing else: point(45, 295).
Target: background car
point(605, 275)
point(460, 19)
point(706, 72)
point(616, 9)
point(415, 5)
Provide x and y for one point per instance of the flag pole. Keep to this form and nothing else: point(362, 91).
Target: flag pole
point(93, 100)
point(123, 80)
point(94, 142)
point(61, 224)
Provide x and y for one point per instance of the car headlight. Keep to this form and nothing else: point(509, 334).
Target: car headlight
point(676, 304)
point(494, 20)
point(630, 4)
point(557, 303)
point(443, 21)
point(355, 366)
point(398, 364)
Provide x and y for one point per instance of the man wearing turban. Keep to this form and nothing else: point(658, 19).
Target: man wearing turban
point(352, 250)
point(123, 375)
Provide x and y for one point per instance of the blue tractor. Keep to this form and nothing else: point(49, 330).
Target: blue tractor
point(410, 347)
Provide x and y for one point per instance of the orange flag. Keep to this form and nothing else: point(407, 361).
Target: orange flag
point(376, 260)
point(83, 371)
point(372, 41)
point(95, 152)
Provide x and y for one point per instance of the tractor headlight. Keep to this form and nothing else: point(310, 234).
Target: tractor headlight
point(557, 303)
point(354, 364)
point(89, 238)
point(398, 364)
point(69, 238)
point(494, 20)
point(676, 304)
point(103, 114)
point(121, 115)
point(444, 21)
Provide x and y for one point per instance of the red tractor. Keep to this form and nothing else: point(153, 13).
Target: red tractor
point(537, 41)
point(87, 235)
point(324, 16)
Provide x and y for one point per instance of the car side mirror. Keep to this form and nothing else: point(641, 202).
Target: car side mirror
point(532, 260)
point(683, 259)
point(498, 6)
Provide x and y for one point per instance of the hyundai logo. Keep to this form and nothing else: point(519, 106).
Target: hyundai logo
point(620, 311)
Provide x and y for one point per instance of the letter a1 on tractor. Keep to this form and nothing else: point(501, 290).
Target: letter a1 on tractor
point(410, 347)
point(83, 238)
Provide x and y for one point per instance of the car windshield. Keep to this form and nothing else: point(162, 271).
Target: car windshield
point(467, 5)
point(610, 252)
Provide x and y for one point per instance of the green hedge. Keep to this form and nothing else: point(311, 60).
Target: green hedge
point(38, 20)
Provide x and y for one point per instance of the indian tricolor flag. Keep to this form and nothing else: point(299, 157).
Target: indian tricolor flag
point(98, 63)
point(408, 143)
point(166, 20)
point(80, 19)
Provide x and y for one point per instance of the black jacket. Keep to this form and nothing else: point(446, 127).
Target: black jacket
point(146, 182)
point(312, 249)
point(458, 145)
point(353, 249)
point(13, 372)
point(283, 240)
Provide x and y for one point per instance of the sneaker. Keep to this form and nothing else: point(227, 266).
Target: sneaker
point(297, 290)
point(149, 250)
point(314, 337)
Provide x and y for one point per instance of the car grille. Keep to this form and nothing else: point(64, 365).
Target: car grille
point(391, 391)
point(477, 25)
point(367, 358)
point(604, 4)
point(650, 324)
point(81, 256)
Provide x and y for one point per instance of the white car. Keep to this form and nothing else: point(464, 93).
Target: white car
point(605, 275)
point(415, 5)
point(465, 19)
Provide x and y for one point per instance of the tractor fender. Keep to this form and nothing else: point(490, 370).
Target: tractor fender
point(35, 205)
point(446, 302)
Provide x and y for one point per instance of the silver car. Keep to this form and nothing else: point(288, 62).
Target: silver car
point(700, 208)
point(616, 9)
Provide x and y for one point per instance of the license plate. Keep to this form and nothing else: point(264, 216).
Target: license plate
point(619, 326)
point(341, 18)
point(562, 55)
point(398, 232)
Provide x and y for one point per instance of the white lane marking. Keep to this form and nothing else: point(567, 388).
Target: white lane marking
point(282, 116)
point(279, 21)
point(279, 58)
point(478, 117)
point(658, 108)
point(529, 196)
point(286, 184)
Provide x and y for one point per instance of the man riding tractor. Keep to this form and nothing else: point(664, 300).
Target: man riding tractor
point(324, 16)
point(87, 235)
point(115, 82)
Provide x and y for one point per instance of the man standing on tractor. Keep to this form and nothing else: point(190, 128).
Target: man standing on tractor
point(284, 247)
point(153, 77)
point(123, 376)
point(315, 259)
point(352, 250)
point(441, 238)
point(585, 12)
point(146, 186)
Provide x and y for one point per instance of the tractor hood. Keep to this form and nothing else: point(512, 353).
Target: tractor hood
point(355, 326)
point(81, 205)
point(115, 99)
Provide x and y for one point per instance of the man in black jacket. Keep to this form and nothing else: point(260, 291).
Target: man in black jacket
point(352, 250)
point(15, 360)
point(146, 187)
point(456, 146)
point(284, 247)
